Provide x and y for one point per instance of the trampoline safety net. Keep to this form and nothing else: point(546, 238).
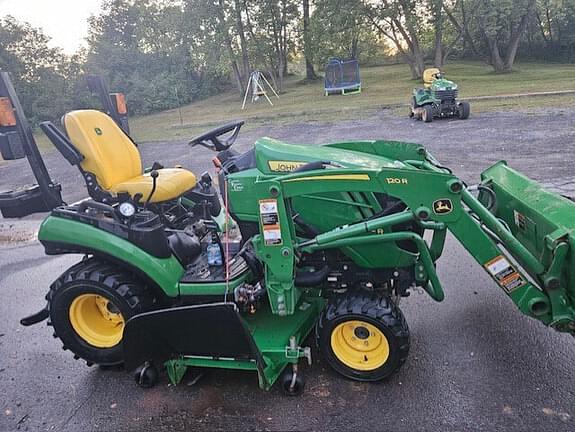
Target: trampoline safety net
point(342, 77)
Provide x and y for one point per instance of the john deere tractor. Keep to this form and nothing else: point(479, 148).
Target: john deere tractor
point(437, 99)
point(330, 239)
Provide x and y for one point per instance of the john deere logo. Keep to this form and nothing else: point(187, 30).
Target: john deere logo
point(284, 166)
point(442, 206)
point(98, 131)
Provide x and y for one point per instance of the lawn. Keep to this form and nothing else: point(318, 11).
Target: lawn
point(383, 86)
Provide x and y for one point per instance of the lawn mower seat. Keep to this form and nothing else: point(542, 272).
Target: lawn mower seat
point(429, 76)
point(113, 161)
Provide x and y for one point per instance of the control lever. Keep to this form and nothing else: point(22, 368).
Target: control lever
point(154, 174)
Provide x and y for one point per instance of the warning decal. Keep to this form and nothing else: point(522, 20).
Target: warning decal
point(504, 273)
point(270, 222)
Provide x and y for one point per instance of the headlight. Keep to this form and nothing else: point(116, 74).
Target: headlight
point(127, 209)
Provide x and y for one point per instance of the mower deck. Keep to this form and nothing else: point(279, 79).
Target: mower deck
point(218, 336)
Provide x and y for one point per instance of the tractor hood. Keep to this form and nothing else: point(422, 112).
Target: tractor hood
point(273, 156)
point(443, 84)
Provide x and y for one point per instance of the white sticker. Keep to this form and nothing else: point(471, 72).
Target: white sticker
point(504, 273)
point(268, 206)
point(270, 221)
point(498, 265)
point(272, 236)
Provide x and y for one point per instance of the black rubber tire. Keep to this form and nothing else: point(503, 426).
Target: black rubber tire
point(463, 110)
point(378, 311)
point(412, 107)
point(285, 382)
point(147, 376)
point(92, 276)
point(427, 114)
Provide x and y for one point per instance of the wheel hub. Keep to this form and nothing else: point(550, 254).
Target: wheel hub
point(361, 332)
point(359, 345)
point(96, 320)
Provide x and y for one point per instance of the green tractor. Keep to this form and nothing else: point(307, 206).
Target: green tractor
point(437, 99)
point(328, 240)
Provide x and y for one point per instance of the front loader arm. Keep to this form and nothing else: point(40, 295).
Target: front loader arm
point(509, 276)
point(531, 268)
point(437, 201)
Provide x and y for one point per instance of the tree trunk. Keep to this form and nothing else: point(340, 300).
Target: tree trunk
point(516, 37)
point(243, 44)
point(495, 56)
point(284, 38)
point(277, 38)
point(413, 69)
point(229, 47)
point(463, 28)
point(354, 47)
point(437, 8)
point(309, 70)
point(401, 33)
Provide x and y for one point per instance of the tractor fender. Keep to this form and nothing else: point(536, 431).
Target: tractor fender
point(64, 236)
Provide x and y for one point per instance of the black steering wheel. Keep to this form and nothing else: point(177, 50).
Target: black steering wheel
point(213, 139)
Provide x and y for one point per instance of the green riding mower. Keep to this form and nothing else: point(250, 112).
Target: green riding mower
point(329, 239)
point(437, 99)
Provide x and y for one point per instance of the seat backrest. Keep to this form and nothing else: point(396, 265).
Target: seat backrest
point(429, 75)
point(108, 152)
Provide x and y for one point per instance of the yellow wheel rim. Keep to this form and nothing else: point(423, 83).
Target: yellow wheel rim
point(359, 345)
point(96, 320)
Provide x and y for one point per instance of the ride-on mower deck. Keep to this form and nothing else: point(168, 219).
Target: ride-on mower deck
point(332, 237)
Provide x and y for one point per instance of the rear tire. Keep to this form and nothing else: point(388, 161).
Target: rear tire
point(89, 306)
point(427, 114)
point(363, 337)
point(463, 110)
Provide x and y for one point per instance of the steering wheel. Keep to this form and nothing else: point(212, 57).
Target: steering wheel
point(213, 139)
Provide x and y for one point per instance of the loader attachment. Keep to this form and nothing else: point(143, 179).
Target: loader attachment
point(544, 223)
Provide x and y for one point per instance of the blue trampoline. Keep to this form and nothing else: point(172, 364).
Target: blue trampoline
point(342, 77)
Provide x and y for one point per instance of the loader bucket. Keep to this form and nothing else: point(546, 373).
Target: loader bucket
point(539, 219)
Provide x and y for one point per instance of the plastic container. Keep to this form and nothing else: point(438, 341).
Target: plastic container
point(214, 254)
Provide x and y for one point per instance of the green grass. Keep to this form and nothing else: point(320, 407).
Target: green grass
point(383, 86)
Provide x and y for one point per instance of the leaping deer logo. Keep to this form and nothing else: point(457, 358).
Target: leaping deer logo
point(442, 206)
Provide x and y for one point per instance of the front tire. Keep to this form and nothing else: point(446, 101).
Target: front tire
point(463, 110)
point(412, 107)
point(89, 306)
point(363, 337)
point(427, 114)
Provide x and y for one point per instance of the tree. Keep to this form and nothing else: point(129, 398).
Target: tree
point(502, 24)
point(307, 44)
point(338, 28)
point(44, 76)
point(493, 29)
point(443, 29)
point(402, 22)
point(161, 53)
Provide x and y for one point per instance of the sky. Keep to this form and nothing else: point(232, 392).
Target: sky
point(65, 21)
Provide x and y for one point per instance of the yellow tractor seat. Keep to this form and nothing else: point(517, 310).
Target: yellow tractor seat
point(112, 163)
point(170, 184)
point(429, 76)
